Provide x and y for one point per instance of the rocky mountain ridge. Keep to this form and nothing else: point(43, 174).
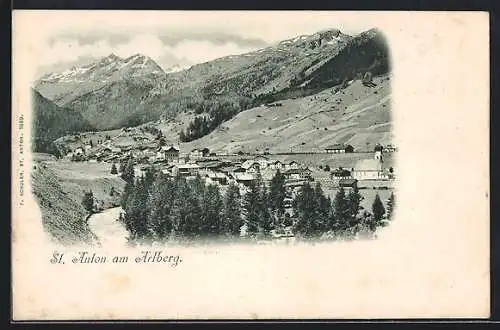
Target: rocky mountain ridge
point(113, 92)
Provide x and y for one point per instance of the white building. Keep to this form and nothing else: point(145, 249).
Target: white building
point(293, 165)
point(199, 153)
point(370, 169)
point(186, 169)
point(335, 149)
point(276, 165)
point(263, 161)
point(78, 152)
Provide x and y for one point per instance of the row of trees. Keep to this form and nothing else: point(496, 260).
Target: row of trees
point(343, 217)
point(159, 208)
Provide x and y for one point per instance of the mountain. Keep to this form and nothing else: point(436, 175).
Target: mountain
point(51, 122)
point(114, 92)
point(262, 71)
point(105, 92)
point(358, 115)
point(66, 86)
point(367, 52)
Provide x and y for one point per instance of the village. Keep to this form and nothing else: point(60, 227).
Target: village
point(239, 168)
point(370, 172)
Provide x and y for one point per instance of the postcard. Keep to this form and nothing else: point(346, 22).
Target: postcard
point(190, 165)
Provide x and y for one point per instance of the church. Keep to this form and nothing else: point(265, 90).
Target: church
point(371, 169)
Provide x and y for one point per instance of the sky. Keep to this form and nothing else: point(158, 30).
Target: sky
point(171, 38)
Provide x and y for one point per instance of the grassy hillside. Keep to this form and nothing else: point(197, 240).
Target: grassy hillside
point(58, 187)
point(357, 115)
point(51, 122)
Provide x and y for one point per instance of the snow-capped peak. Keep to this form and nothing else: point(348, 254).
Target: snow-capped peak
point(106, 68)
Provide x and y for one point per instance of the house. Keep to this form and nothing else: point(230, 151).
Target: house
point(78, 152)
point(186, 169)
point(293, 165)
point(298, 174)
point(115, 150)
point(341, 173)
point(370, 169)
point(389, 148)
point(139, 171)
point(276, 165)
point(110, 158)
point(306, 173)
point(169, 152)
point(244, 178)
point(231, 169)
point(288, 202)
point(199, 153)
point(348, 183)
point(168, 170)
point(349, 148)
point(268, 174)
point(217, 177)
point(262, 160)
point(336, 149)
point(249, 163)
point(293, 174)
point(210, 165)
point(238, 170)
point(254, 168)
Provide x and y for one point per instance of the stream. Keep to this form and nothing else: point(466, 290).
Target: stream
point(109, 232)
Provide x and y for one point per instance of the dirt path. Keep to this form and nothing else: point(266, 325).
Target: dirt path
point(108, 231)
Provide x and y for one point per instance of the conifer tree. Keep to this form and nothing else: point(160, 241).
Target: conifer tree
point(304, 208)
point(232, 220)
point(378, 210)
point(340, 215)
point(212, 210)
point(251, 208)
point(113, 169)
point(322, 214)
point(127, 192)
point(265, 216)
point(128, 171)
point(159, 206)
point(390, 206)
point(136, 212)
point(354, 199)
point(277, 194)
point(193, 214)
point(122, 167)
point(178, 215)
point(88, 201)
